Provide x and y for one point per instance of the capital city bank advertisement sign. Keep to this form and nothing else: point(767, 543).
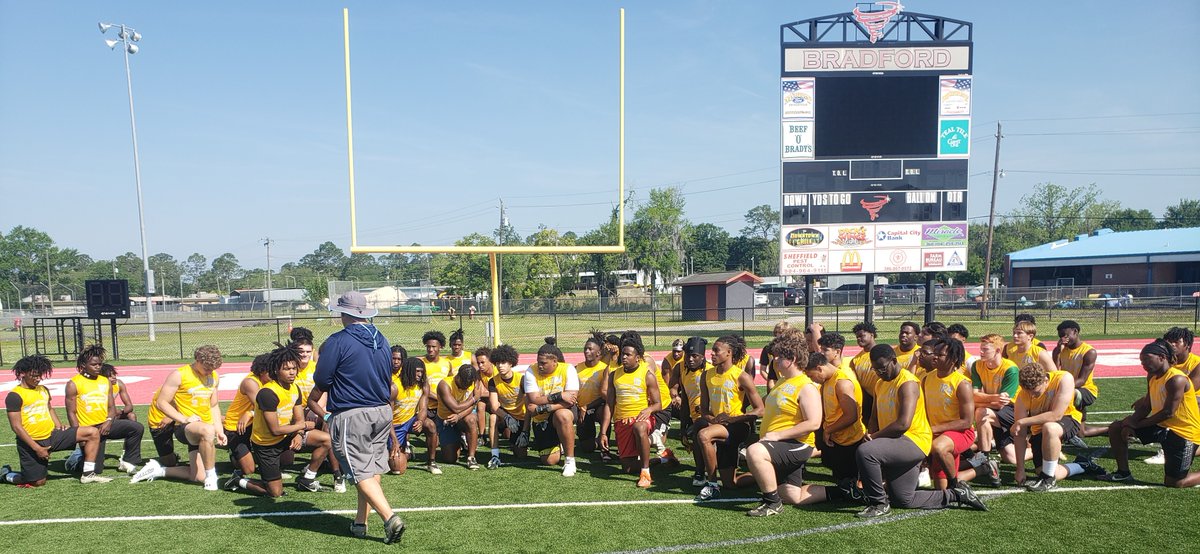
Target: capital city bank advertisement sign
point(939, 235)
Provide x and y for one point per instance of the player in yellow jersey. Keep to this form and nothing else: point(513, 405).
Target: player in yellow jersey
point(959, 331)
point(551, 390)
point(685, 395)
point(189, 398)
point(995, 380)
point(634, 395)
point(726, 422)
point(765, 356)
point(661, 422)
point(303, 339)
point(1078, 358)
point(744, 360)
point(409, 397)
point(593, 385)
point(1024, 352)
point(898, 441)
point(38, 430)
point(89, 402)
point(791, 416)
point(437, 367)
point(457, 399)
point(239, 419)
point(842, 431)
point(1168, 414)
point(907, 346)
point(506, 402)
point(1011, 348)
point(865, 335)
point(1182, 358)
point(120, 393)
point(481, 358)
point(279, 426)
point(950, 407)
point(458, 354)
point(1045, 419)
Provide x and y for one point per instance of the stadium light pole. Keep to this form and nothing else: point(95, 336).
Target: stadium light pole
point(126, 37)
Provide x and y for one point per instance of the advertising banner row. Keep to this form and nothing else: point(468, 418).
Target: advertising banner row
point(878, 248)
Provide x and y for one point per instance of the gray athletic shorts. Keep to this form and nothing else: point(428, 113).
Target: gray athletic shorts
point(360, 441)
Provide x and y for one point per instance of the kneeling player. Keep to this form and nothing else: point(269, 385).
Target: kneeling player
point(724, 424)
point(551, 390)
point(791, 415)
point(1046, 418)
point(456, 407)
point(240, 416)
point(507, 403)
point(1168, 415)
point(634, 394)
point(38, 430)
point(841, 433)
point(90, 402)
point(409, 402)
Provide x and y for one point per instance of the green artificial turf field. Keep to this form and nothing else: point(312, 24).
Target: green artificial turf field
point(598, 510)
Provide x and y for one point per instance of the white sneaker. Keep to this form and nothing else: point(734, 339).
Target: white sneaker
point(71, 464)
point(149, 472)
point(126, 467)
point(434, 468)
point(93, 478)
point(923, 480)
point(339, 483)
point(1157, 459)
point(569, 468)
point(210, 484)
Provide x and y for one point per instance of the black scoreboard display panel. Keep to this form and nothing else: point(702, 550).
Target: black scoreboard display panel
point(107, 298)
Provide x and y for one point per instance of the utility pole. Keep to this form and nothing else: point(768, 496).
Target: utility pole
point(267, 242)
point(987, 264)
point(500, 241)
point(49, 283)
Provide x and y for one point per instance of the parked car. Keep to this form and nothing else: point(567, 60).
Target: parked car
point(782, 296)
point(850, 293)
point(761, 299)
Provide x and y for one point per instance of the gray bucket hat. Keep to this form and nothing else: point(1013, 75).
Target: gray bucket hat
point(354, 304)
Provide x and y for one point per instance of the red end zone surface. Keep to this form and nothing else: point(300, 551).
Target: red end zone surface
point(1118, 358)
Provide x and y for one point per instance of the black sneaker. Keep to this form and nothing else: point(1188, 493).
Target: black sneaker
point(1117, 477)
point(231, 484)
point(306, 484)
point(993, 472)
point(393, 529)
point(874, 511)
point(1077, 442)
point(765, 509)
point(1042, 484)
point(358, 530)
point(967, 497)
point(1090, 466)
point(698, 480)
point(850, 490)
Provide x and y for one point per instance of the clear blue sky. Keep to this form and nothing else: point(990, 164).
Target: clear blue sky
point(241, 114)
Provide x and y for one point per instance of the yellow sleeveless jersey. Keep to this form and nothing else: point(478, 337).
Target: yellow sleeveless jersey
point(35, 411)
point(867, 378)
point(407, 399)
point(1010, 349)
point(887, 406)
point(435, 372)
point(724, 391)
point(193, 397)
point(1043, 403)
point(782, 408)
point(1025, 358)
point(664, 384)
point(903, 358)
point(1071, 361)
point(1189, 365)
point(509, 394)
point(459, 395)
point(991, 381)
point(288, 399)
point(458, 361)
point(1186, 420)
point(590, 379)
point(833, 409)
point(556, 381)
point(91, 399)
point(631, 392)
point(941, 400)
point(690, 381)
point(116, 388)
point(241, 403)
point(304, 380)
point(154, 417)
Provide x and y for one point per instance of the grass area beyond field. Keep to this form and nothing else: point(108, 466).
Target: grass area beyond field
point(446, 515)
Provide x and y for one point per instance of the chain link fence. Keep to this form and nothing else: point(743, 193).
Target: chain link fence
point(525, 323)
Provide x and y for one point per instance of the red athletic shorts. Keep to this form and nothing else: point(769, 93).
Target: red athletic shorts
point(627, 446)
point(962, 442)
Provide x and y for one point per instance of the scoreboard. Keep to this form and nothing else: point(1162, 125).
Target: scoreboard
point(875, 126)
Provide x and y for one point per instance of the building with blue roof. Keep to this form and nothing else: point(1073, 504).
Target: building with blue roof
point(1105, 257)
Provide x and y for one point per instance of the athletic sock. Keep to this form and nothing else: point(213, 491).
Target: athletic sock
point(569, 459)
point(772, 497)
point(243, 482)
point(1049, 468)
point(89, 467)
point(495, 452)
point(309, 474)
point(10, 477)
point(210, 474)
point(1073, 469)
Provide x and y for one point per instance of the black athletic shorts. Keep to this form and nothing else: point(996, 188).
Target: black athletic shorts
point(788, 458)
point(266, 458)
point(662, 421)
point(181, 436)
point(34, 468)
point(1070, 428)
point(1178, 452)
point(164, 440)
point(585, 427)
point(727, 451)
point(238, 444)
point(545, 436)
point(839, 459)
point(1003, 434)
point(1083, 399)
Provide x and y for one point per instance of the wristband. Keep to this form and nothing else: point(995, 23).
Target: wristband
point(556, 397)
point(325, 417)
